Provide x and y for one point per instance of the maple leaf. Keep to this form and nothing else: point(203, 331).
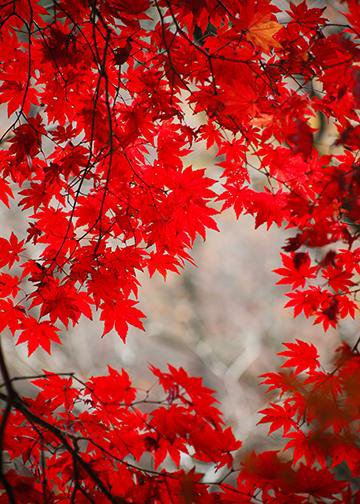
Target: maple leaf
point(328, 312)
point(162, 263)
point(261, 33)
point(9, 285)
point(10, 250)
point(56, 391)
point(13, 91)
point(121, 54)
point(316, 482)
point(307, 301)
point(279, 417)
point(112, 389)
point(26, 142)
point(267, 207)
point(297, 268)
point(300, 356)
point(306, 17)
point(11, 315)
point(178, 380)
point(346, 307)
point(119, 314)
point(282, 382)
point(266, 466)
point(61, 301)
point(210, 133)
point(337, 279)
point(5, 192)
point(37, 334)
point(300, 445)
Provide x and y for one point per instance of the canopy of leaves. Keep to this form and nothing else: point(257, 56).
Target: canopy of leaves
point(94, 159)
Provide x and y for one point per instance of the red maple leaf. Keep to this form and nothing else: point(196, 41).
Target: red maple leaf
point(301, 356)
point(297, 269)
point(37, 334)
point(119, 315)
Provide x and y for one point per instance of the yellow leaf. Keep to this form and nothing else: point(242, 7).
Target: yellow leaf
point(261, 33)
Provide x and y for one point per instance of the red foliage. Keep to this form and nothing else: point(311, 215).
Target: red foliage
point(95, 161)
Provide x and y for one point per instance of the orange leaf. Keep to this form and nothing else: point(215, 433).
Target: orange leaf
point(261, 33)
